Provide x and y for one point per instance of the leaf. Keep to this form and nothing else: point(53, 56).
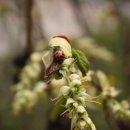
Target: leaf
point(81, 60)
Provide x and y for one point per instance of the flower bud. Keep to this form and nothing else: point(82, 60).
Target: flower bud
point(40, 86)
point(64, 90)
point(69, 101)
point(82, 100)
point(36, 67)
point(74, 76)
point(75, 82)
point(75, 104)
point(68, 61)
point(82, 123)
point(22, 101)
point(81, 109)
point(110, 91)
point(35, 57)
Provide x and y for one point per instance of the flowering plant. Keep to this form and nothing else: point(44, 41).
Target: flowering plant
point(67, 76)
point(72, 65)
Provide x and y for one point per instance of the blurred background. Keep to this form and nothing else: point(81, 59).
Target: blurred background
point(100, 28)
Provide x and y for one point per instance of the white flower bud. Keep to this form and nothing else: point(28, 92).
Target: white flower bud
point(40, 86)
point(64, 90)
point(29, 71)
point(81, 109)
point(90, 123)
point(75, 82)
point(82, 123)
point(82, 100)
point(58, 83)
point(31, 98)
point(25, 82)
point(36, 67)
point(68, 61)
point(35, 57)
point(18, 87)
point(19, 94)
point(22, 101)
point(125, 104)
point(87, 78)
point(73, 89)
point(89, 75)
point(69, 102)
point(110, 91)
point(75, 104)
point(74, 76)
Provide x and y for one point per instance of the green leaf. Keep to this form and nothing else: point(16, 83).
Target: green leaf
point(81, 60)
